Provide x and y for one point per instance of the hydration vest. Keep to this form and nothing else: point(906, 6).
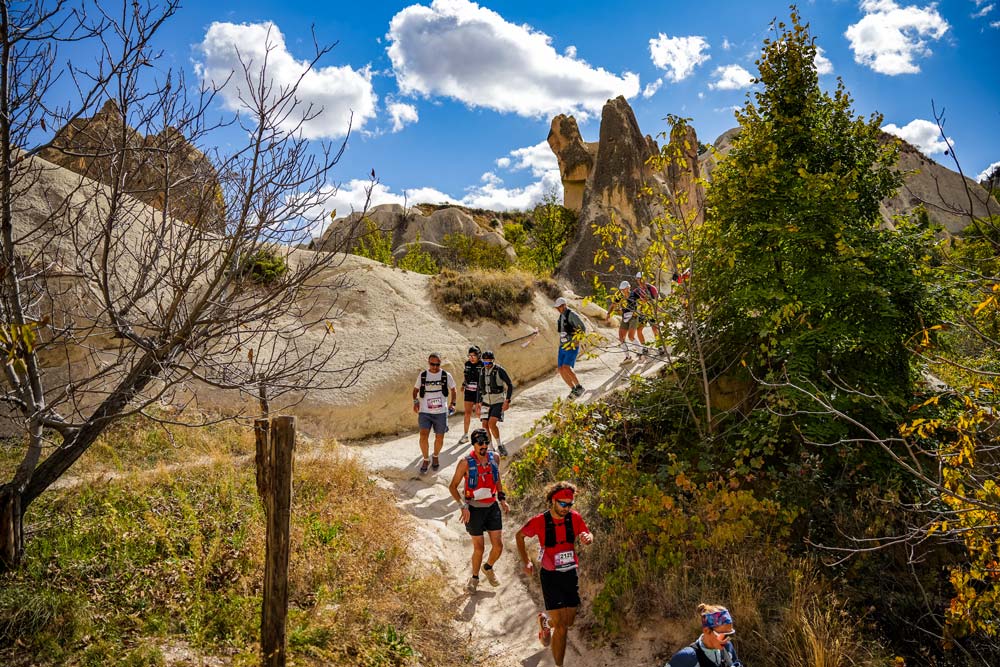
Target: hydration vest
point(550, 530)
point(472, 481)
point(443, 388)
point(493, 378)
point(705, 661)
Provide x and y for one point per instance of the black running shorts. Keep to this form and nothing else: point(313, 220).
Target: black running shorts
point(484, 519)
point(560, 589)
point(470, 396)
point(495, 410)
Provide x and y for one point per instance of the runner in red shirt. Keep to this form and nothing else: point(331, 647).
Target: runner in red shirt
point(557, 530)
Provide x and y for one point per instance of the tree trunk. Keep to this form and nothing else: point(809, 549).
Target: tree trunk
point(11, 529)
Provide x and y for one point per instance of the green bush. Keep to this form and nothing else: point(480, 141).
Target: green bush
point(467, 252)
point(263, 267)
point(374, 244)
point(418, 260)
point(476, 295)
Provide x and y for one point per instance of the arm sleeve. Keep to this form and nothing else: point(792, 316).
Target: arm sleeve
point(506, 379)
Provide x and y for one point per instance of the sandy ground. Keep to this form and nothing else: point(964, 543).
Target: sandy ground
point(502, 620)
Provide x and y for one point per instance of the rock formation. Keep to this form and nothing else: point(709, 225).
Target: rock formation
point(613, 175)
point(88, 146)
point(408, 227)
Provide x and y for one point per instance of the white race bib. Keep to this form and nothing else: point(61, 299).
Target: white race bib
point(471, 386)
point(626, 316)
point(435, 403)
point(563, 337)
point(482, 494)
point(565, 560)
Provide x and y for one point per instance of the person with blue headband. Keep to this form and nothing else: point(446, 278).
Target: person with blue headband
point(714, 648)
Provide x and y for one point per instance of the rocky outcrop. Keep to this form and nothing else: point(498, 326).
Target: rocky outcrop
point(942, 192)
point(576, 159)
point(614, 179)
point(91, 147)
point(407, 227)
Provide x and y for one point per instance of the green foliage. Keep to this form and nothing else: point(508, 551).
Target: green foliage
point(469, 252)
point(540, 240)
point(418, 260)
point(473, 295)
point(264, 267)
point(802, 279)
point(374, 244)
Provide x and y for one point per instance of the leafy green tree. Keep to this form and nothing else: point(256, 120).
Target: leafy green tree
point(552, 227)
point(374, 244)
point(418, 260)
point(804, 281)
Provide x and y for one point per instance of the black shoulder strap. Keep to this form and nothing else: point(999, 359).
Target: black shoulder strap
point(550, 530)
point(570, 531)
point(423, 383)
point(703, 660)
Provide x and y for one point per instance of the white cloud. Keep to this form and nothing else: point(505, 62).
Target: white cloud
point(731, 77)
point(923, 134)
point(651, 88)
point(491, 178)
point(823, 64)
point(538, 158)
point(986, 172)
point(678, 56)
point(332, 92)
point(995, 24)
point(457, 49)
point(889, 38)
point(402, 115)
point(983, 12)
point(503, 162)
point(726, 44)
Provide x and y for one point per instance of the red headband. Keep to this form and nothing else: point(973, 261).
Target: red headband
point(563, 494)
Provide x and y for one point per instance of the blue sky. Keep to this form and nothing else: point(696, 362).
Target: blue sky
point(453, 99)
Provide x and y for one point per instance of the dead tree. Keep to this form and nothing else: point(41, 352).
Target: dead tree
point(110, 306)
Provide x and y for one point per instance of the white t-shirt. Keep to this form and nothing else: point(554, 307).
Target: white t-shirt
point(434, 401)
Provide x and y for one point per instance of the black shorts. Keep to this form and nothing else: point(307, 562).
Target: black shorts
point(560, 589)
point(495, 410)
point(470, 396)
point(484, 519)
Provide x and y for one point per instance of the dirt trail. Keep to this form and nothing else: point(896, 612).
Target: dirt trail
point(502, 620)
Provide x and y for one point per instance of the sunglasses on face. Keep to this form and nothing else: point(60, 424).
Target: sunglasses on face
point(564, 503)
point(433, 363)
point(487, 361)
point(722, 636)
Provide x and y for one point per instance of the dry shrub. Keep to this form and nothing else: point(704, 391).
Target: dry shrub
point(548, 287)
point(494, 295)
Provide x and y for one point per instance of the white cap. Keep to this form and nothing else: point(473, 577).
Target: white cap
point(624, 284)
point(639, 275)
point(559, 302)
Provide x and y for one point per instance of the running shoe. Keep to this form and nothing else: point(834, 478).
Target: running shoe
point(627, 360)
point(424, 466)
point(502, 449)
point(472, 585)
point(491, 576)
point(576, 391)
point(544, 631)
point(435, 463)
point(464, 439)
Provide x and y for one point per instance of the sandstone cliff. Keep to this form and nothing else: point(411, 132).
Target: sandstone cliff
point(88, 147)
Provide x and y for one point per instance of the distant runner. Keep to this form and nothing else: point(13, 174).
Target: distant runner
point(568, 325)
point(627, 302)
point(714, 648)
point(495, 390)
point(484, 496)
point(470, 386)
point(648, 295)
point(557, 530)
point(430, 402)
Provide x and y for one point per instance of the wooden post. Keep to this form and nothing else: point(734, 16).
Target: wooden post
point(275, 444)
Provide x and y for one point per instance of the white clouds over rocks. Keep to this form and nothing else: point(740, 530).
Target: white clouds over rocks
point(923, 134)
point(731, 77)
point(986, 172)
point(402, 115)
point(678, 56)
point(333, 92)
point(889, 38)
point(457, 49)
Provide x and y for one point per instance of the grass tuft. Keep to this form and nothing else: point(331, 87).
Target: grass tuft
point(474, 295)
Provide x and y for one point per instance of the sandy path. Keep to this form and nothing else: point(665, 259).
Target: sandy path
point(502, 620)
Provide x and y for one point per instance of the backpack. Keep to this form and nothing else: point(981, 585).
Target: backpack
point(494, 379)
point(568, 327)
point(473, 480)
point(550, 530)
point(704, 661)
point(444, 381)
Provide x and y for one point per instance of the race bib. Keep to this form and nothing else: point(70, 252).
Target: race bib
point(563, 337)
point(626, 316)
point(482, 494)
point(435, 403)
point(471, 386)
point(565, 560)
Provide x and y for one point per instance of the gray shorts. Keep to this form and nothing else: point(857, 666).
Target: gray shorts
point(438, 422)
point(632, 324)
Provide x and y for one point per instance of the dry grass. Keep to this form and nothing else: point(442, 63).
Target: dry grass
point(495, 295)
point(120, 571)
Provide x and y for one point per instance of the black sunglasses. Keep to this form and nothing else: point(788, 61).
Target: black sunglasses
point(433, 363)
point(563, 503)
